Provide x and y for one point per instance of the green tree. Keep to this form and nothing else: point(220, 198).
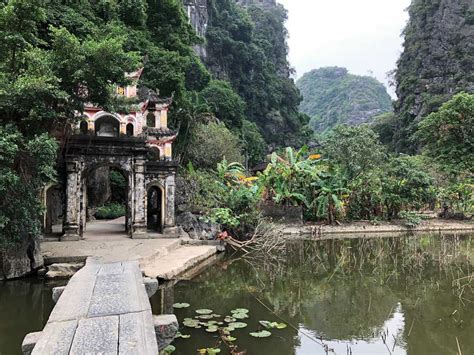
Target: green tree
point(448, 134)
point(355, 149)
point(211, 143)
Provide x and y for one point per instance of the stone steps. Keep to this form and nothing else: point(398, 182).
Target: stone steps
point(171, 265)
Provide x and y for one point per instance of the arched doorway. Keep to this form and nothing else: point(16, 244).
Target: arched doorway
point(155, 209)
point(83, 127)
point(129, 130)
point(107, 126)
point(105, 200)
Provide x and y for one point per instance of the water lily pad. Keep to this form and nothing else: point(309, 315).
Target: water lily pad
point(272, 325)
point(240, 315)
point(227, 330)
point(237, 325)
point(212, 329)
point(192, 323)
point(261, 334)
point(229, 319)
point(205, 316)
point(240, 310)
point(204, 311)
point(209, 351)
point(169, 349)
point(181, 305)
point(182, 336)
point(230, 338)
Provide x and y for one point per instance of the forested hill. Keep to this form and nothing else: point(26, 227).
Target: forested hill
point(332, 96)
point(437, 62)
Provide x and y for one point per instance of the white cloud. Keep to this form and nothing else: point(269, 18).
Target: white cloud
point(363, 36)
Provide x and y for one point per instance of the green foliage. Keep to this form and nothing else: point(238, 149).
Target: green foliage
point(247, 46)
point(411, 219)
point(354, 149)
point(458, 197)
point(26, 165)
point(110, 211)
point(332, 96)
point(224, 103)
point(210, 143)
point(253, 143)
point(448, 134)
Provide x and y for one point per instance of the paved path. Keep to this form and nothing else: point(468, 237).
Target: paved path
point(164, 258)
point(103, 310)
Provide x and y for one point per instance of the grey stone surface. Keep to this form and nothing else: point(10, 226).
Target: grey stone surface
point(56, 338)
point(96, 336)
point(63, 271)
point(166, 327)
point(57, 292)
point(101, 302)
point(29, 342)
point(196, 228)
point(135, 334)
point(151, 286)
point(20, 260)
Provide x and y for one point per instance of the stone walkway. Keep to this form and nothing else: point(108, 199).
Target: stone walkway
point(161, 257)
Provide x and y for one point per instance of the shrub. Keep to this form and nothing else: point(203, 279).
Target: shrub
point(110, 211)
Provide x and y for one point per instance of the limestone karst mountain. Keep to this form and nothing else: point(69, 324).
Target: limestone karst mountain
point(333, 96)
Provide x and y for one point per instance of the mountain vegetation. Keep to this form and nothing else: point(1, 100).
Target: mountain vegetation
point(436, 63)
point(332, 96)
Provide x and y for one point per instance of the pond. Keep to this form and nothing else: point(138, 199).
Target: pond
point(404, 295)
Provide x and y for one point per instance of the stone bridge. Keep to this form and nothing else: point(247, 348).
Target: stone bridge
point(104, 309)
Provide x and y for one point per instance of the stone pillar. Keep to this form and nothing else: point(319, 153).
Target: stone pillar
point(170, 188)
point(91, 125)
point(73, 197)
point(158, 119)
point(168, 152)
point(164, 118)
point(139, 200)
point(123, 128)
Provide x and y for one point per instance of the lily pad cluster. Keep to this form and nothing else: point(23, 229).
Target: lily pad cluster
point(223, 325)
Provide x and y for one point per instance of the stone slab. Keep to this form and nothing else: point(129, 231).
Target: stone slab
point(136, 334)
point(29, 342)
point(96, 336)
point(56, 338)
point(57, 292)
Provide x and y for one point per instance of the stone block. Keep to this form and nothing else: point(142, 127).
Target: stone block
point(57, 292)
point(137, 334)
point(56, 338)
point(96, 336)
point(166, 327)
point(151, 286)
point(63, 271)
point(29, 342)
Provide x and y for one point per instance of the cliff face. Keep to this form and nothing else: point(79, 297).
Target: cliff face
point(437, 61)
point(332, 96)
point(199, 18)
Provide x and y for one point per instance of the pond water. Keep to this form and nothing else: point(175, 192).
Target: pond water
point(25, 306)
point(353, 296)
point(405, 295)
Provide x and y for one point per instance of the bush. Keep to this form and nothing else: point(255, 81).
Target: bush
point(110, 211)
point(210, 143)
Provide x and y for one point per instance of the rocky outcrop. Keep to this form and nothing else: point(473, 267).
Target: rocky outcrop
point(436, 62)
point(198, 18)
point(261, 3)
point(196, 227)
point(20, 260)
point(166, 327)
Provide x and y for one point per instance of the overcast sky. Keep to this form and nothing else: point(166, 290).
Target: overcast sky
point(362, 35)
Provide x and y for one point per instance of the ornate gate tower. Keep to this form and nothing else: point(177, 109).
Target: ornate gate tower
point(139, 144)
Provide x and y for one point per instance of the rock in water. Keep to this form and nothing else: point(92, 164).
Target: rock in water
point(20, 260)
point(62, 270)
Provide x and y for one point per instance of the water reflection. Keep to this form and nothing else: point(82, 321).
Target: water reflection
point(25, 306)
point(359, 296)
